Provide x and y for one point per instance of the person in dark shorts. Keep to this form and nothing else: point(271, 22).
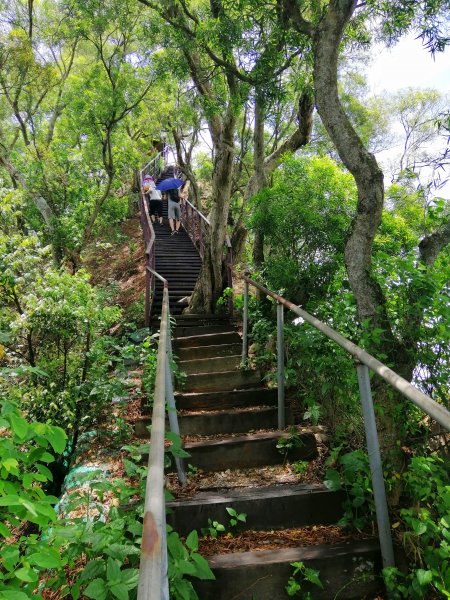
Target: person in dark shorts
point(156, 205)
point(173, 210)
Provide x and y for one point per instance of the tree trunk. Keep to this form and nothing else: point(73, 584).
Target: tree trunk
point(184, 160)
point(209, 285)
point(259, 180)
point(369, 181)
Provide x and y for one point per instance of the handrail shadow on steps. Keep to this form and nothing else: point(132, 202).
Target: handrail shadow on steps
point(364, 361)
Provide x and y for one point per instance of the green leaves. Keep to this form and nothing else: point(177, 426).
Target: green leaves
point(113, 571)
point(57, 438)
point(332, 480)
point(301, 575)
point(185, 560)
point(192, 541)
point(96, 589)
point(117, 582)
point(19, 426)
point(47, 559)
point(235, 517)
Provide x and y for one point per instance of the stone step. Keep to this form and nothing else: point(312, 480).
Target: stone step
point(195, 330)
point(349, 571)
point(199, 352)
point(212, 339)
point(213, 382)
point(219, 422)
point(245, 451)
point(210, 365)
point(226, 399)
point(202, 318)
point(267, 508)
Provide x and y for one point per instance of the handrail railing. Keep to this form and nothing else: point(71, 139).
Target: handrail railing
point(149, 240)
point(153, 582)
point(154, 167)
point(194, 222)
point(364, 362)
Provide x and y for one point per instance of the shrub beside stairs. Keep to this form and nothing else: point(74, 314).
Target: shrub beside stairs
point(238, 417)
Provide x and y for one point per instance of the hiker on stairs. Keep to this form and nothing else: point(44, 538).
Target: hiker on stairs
point(156, 205)
point(174, 211)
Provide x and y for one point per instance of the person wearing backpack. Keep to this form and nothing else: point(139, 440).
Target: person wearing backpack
point(173, 210)
point(156, 205)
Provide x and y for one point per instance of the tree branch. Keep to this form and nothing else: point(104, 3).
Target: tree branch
point(431, 245)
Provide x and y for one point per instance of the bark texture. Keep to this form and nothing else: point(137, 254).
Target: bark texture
point(361, 163)
point(259, 179)
point(209, 285)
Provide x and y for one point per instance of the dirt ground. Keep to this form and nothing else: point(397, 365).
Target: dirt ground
point(120, 266)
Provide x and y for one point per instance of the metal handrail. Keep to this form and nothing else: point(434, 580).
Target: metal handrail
point(153, 579)
point(193, 222)
point(149, 239)
point(153, 582)
point(364, 362)
point(436, 411)
point(153, 167)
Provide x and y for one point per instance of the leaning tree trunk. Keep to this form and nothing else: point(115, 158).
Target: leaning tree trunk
point(259, 179)
point(369, 181)
point(209, 285)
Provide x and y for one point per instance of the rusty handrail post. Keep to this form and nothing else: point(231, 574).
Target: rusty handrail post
point(147, 298)
point(153, 581)
point(149, 239)
point(229, 267)
point(200, 236)
point(245, 324)
point(376, 469)
point(280, 366)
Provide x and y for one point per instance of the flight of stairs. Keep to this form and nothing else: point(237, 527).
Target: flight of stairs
point(178, 261)
point(228, 420)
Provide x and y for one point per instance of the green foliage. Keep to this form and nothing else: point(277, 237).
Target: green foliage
point(26, 450)
point(227, 294)
point(52, 319)
point(300, 466)
point(424, 528)
point(235, 517)
point(289, 443)
point(304, 217)
point(318, 373)
point(215, 529)
point(184, 559)
point(74, 116)
point(149, 359)
point(353, 476)
point(300, 576)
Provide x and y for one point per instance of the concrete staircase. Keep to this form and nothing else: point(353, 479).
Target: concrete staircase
point(178, 261)
point(233, 418)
